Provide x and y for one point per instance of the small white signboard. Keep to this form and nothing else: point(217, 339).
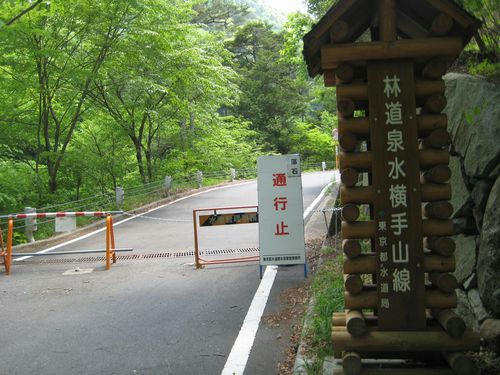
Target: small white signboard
point(65, 224)
point(281, 210)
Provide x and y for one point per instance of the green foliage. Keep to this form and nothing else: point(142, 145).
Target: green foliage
point(220, 15)
point(488, 11)
point(318, 8)
point(312, 143)
point(297, 26)
point(263, 10)
point(100, 94)
point(313, 367)
point(328, 296)
point(485, 68)
point(16, 188)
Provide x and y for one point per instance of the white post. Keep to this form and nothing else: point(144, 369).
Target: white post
point(30, 224)
point(199, 179)
point(233, 174)
point(323, 165)
point(119, 194)
point(168, 183)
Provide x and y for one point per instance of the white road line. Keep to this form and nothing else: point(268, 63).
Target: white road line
point(237, 360)
point(128, 219)
point(313, 205)
point(238, 357)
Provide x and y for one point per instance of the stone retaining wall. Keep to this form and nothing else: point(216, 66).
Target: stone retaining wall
point(474, 125)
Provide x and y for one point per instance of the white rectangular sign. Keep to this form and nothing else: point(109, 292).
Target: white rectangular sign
point(281, 210)
point(65, 224)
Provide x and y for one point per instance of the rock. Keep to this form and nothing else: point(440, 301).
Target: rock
point(465, 257)
point(477, 305)
point(488, 262)
point(470, 282)
point(464, 310)
point(495, 173)
point(479, 195)
point(473, 121)
point(465, 225)
point(460, 197)
point(490, 333)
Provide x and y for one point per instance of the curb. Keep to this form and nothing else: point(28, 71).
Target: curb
point(301, 361)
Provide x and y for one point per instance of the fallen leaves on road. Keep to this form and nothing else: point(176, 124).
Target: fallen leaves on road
point(293, 306)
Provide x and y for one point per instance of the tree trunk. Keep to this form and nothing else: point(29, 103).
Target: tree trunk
point(52, 181)
point(138, 156)
point(78, 184)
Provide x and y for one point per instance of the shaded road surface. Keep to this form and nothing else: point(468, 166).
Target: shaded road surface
point(153, 316)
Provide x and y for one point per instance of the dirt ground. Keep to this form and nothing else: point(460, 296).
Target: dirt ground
point(293, 307)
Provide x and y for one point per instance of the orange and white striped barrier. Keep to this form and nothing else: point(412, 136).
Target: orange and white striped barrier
point(6, 249)
point(216, 218)
point(61, 214)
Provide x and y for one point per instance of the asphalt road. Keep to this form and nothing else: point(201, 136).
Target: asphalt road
point(152, 316)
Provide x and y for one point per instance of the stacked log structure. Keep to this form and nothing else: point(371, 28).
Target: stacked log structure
point(356, 333)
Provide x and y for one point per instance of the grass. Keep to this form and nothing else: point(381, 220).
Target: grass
point(327, 291)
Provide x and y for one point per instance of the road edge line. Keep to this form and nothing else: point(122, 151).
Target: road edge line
point(240, 352)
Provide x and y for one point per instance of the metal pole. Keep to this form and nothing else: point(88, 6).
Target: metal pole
point(69, 252)
point(112, 238)
point(10, 233)
point(337, 160)
point(2, 245)
point(196, 255)
point(108, 243)
point(336, 228)
point(3, 254)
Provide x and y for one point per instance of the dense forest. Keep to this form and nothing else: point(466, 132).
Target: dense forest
point(100, 94)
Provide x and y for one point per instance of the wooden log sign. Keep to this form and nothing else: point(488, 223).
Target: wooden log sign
point(397, 200)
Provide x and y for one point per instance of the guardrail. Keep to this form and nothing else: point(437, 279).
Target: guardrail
point(110, 250)
point(128, 197)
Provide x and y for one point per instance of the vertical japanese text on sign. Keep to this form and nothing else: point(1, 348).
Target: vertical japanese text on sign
point(281, 227)
point(395, 174)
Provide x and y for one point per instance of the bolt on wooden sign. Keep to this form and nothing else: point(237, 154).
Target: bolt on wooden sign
point(281, 222)
point(397, 203)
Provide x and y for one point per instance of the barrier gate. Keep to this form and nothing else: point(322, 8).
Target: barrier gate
point(216, 219)
point(110, 250)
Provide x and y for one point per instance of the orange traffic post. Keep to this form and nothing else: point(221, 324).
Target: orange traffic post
point(109, 242)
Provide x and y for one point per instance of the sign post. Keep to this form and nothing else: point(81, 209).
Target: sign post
point(281, 222)
point(391, 131)
point(397, 203)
